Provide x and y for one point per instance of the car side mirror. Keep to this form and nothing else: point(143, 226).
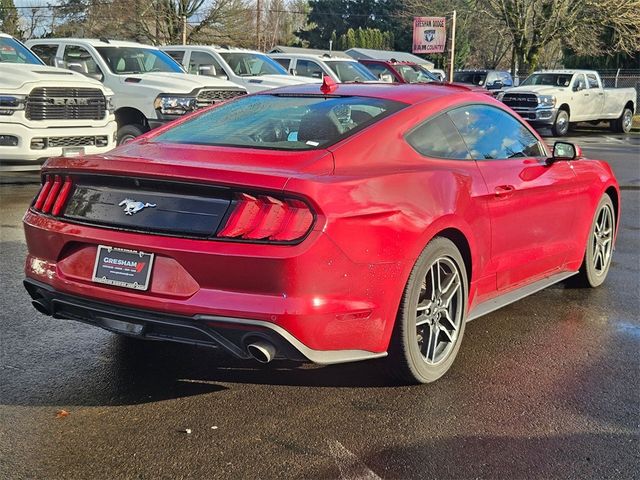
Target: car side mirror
point(564, 151)
point(207, 70)
point(386, 78)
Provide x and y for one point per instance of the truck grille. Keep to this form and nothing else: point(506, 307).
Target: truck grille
point(520, 100)
point(59, 103)
point(84, 141)
point(209, 97)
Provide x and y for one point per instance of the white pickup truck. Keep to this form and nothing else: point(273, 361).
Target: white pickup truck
point(251, 69)
point(557, 98)
point(46, 111)
point(150, 88)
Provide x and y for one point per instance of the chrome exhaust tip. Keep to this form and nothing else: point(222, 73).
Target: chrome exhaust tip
point(262, 351)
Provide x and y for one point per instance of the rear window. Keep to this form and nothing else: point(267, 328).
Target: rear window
point(281, 122)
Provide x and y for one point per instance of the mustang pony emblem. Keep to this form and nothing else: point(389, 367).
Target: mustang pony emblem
point(131, 206)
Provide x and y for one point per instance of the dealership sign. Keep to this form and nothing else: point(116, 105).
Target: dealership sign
point(429, 35)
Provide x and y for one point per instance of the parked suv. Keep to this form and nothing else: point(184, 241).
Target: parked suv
point(340, 69)
point(493, 80)
point(253, 70)
point(150, 88)
point(46, 111)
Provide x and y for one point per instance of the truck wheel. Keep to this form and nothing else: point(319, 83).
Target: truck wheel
point(129, 132)
point(561, 125)
point(623, 124)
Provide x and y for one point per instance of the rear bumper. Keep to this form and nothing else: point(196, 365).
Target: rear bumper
point(231, 334)
point(328, 307)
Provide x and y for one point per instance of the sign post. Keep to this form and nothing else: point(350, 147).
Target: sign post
point(453, 47)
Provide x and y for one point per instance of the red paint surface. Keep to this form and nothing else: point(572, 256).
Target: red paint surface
point(377, 202)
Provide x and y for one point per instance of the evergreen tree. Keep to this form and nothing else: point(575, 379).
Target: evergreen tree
point(9, 22)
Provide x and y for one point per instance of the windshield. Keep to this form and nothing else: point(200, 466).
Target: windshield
point(551, 79)
point(252, 64)
point(128, 60)
point(281, 122)
point(471, 78)
point(12, 51)
point(415, 74)
point(351, 71)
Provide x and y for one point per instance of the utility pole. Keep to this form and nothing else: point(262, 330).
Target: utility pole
point(184, 29)
point(453, 47)
point(258, 12)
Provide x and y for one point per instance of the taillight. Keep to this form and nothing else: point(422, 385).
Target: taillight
point(263, 217)
point(53, 194)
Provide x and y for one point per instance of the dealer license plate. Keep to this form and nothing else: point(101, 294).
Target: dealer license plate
point(122, 267)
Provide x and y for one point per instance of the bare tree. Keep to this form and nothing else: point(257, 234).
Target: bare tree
point(580, 24)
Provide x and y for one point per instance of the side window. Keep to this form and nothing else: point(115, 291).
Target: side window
point(438, 138)
point(491, 133)
point(177, 55)
point(308, 68)
point(47, 53)
point(379, 70)
point(203, 59)
point(79, 59)
point(285, 62)
point(507, 81)
point(592, 80)
point(579, 83)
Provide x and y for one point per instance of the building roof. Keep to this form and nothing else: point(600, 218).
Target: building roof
point(308, 51)
point(371, 54)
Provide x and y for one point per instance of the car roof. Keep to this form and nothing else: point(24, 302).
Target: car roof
point(566, 71)
point(392, 61)
point(215, 48)
point(310, 56)
point(94, 42)
point(401, 92)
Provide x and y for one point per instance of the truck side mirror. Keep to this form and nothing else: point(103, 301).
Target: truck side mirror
point(207, 70)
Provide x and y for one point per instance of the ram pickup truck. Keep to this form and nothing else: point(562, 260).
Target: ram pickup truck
point(558, 98)
point(150, 88)
point(251, 69)
point(46, 111)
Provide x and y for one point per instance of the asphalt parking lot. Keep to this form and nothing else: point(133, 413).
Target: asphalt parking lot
point(545, 388)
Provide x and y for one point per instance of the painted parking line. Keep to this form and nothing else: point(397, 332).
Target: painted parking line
point(350, 466)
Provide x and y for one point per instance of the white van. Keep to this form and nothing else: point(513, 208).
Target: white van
point(149, 87)
point(47, 112)
point(253, 70)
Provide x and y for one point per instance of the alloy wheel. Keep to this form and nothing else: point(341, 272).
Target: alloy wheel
point(603, 240)
point(439, 311)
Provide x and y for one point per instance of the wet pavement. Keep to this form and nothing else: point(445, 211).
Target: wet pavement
point(548, 387)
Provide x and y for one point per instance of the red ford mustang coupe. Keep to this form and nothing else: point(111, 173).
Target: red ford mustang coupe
point(328, 224)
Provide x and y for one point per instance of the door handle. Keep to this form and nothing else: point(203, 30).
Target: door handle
point(586, 94)
point(504, 190)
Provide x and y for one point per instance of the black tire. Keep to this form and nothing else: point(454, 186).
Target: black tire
point(126, 133)
point(560, 125)
point(624, 123)
point(409, 356)
point(599, 249)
